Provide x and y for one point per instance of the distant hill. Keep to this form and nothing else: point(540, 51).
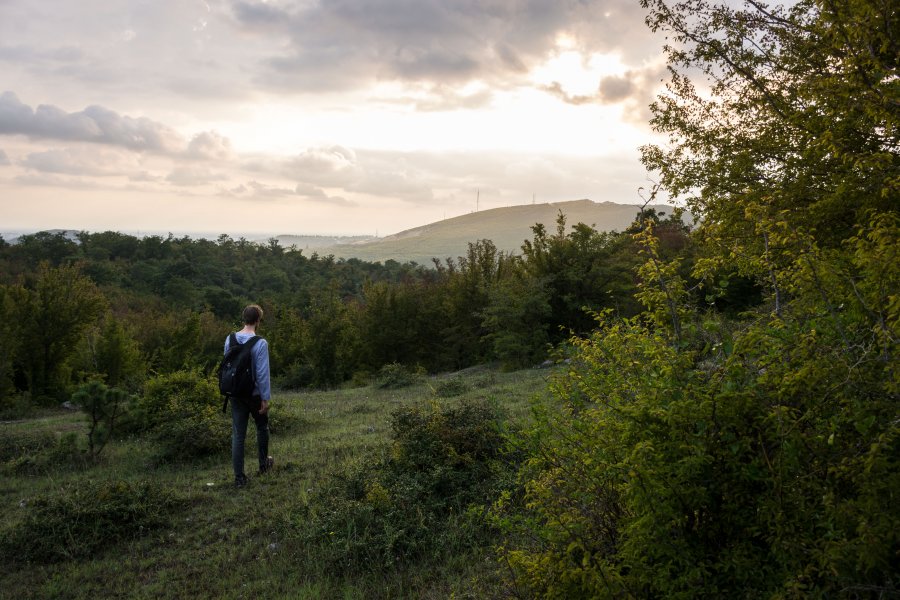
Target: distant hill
point(507, 227)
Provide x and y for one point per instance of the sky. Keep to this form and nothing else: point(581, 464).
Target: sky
point(331, 117)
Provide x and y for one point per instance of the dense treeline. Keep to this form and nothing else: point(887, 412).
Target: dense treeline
point(118, 308)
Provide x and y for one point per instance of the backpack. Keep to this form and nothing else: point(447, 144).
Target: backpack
point(236, 376)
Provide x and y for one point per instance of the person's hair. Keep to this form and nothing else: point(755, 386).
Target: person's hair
point(252, 314)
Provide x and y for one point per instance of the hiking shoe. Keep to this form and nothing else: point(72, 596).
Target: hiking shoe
point(263, 469)
point(241, 481)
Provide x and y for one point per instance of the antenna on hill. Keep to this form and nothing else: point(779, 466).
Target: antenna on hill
point(532, 198)
point(477, 198)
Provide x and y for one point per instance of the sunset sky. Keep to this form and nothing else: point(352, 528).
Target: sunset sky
point(316, 116)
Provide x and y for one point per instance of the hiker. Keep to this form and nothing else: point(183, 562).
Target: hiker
point(256, 404)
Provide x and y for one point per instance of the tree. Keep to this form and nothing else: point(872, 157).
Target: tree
point(778, 119)
point(56, 312)
point(102, 405)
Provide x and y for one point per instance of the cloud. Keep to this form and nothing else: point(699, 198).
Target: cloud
point(259, 14)
point(210, 145)
point(557, 90)
point(315, 194)
point(635, 89)
point(348, 44)
point(4, 159)
point(254, 189)
point(257, 190)
point(93, 124)
point(328, 166)
point(616, 88)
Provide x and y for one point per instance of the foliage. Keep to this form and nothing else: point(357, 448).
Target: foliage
point(395, 376)
point(116, 356)
point(454, 386)
point(517, 320)
point(686, 457)
point(183, 411)
point(103, 405)
point(78, 521)
point(53, 313)
point(641, 477)
point(423, 501)
point(799, 125)
point(329, 341)
point(8, 350)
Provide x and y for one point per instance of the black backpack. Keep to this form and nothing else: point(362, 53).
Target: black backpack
point(236, 375)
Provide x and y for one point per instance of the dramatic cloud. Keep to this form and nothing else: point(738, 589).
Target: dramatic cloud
point(338, 114)
point(93, 124)
point(347, 44)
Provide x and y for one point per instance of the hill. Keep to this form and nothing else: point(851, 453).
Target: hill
point(506, 227)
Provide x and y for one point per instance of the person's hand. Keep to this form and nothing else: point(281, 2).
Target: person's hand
point(263, 407)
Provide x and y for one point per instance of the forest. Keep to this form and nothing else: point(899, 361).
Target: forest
point(118, 308)
point(723, 417)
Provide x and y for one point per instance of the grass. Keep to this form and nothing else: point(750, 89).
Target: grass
point(220, 542)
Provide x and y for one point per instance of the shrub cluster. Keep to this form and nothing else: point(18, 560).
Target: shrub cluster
point(81, 520)
point(455, 386)
point(183, 411)
point(395, 376)
point(427, 499)
point(769, 472)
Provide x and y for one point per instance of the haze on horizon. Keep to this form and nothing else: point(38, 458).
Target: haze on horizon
point(332, 117)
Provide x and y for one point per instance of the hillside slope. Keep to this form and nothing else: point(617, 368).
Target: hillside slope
point(506, 227)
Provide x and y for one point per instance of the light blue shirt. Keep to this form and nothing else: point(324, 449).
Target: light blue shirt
point(260, 357)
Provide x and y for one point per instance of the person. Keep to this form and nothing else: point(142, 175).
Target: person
point(256, 406)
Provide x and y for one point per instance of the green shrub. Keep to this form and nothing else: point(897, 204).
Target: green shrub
point(660, 473)
point(183, 412)
point(455, 386)
point(426, 500)
point(395, 376)
point(170, 397)
point(81, 520)
point(193, 436)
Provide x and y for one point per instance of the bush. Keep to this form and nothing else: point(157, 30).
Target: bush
point(183, 411)
point(171, 397)
point(425, 501)
point(395, 376)
point(661, 473)
point(455, 386)
point(81, 520)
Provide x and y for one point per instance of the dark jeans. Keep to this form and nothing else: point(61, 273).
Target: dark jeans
point(241, 411)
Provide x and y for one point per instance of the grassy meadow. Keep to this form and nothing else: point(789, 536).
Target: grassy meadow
point(210, 540)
